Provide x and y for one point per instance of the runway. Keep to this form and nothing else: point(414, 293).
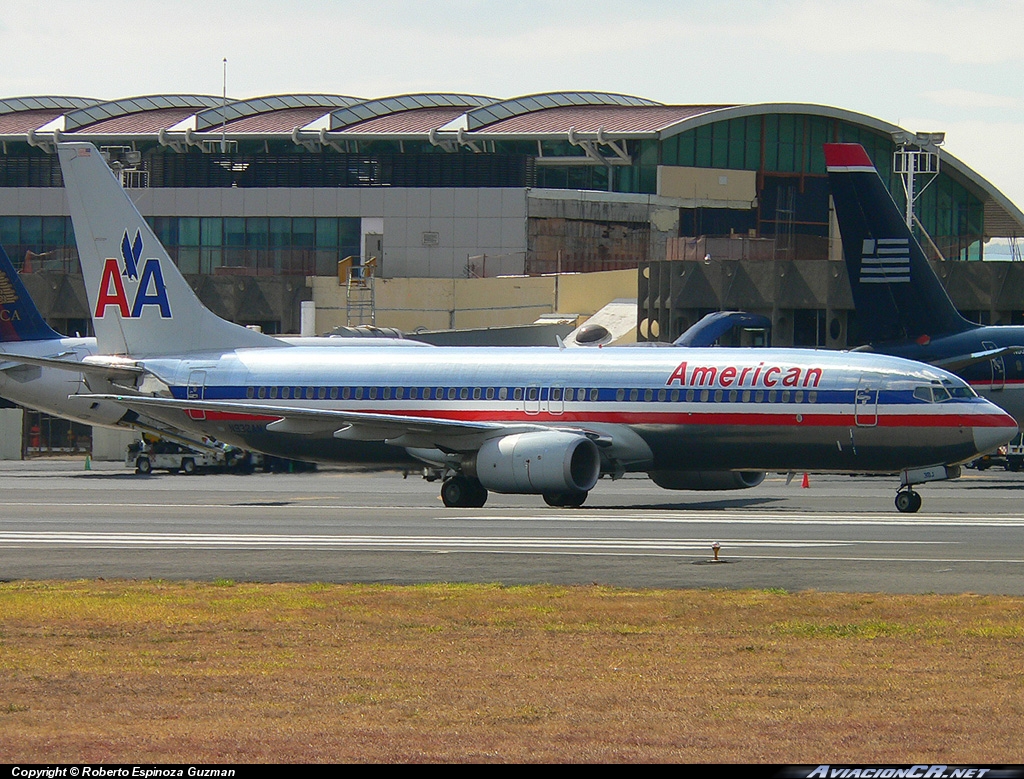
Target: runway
point(58, 520)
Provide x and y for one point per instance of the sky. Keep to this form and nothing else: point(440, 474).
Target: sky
point(925, 65)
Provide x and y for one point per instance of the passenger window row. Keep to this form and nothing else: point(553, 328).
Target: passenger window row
point(533, 393)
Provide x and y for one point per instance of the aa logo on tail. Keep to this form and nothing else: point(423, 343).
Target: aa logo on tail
point(148, 288)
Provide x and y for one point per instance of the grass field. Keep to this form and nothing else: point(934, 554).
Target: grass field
point(155, 671)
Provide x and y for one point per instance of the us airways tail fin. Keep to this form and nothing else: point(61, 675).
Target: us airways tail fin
point(141, 305)
point(895, 291)
point(20, 320)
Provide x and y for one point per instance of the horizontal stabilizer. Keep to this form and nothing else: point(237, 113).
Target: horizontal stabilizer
point(961, 361)
point(108, 369)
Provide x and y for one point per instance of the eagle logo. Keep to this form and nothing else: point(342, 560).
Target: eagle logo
point(131, 251)
point(7, 293)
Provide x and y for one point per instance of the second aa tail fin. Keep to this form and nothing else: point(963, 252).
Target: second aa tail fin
point(20, 320)
point(896, 293)
point(141, 305)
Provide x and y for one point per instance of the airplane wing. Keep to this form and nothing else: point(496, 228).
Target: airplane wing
point(396, 429)
point(961, 361)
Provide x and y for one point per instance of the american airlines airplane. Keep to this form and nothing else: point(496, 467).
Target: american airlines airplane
point(56, 391)
point(901, 305)
point(534, 420)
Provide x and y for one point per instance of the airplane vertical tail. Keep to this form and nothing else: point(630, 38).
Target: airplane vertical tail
point(20, 320)
point(141, 304)
point(895, 290)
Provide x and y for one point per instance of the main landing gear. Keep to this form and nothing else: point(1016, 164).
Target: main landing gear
point(463, 492)
point(908, 501)
point(565, 500)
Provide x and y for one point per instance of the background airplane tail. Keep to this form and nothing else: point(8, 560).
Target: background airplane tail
point(141, 304)
point(895, 291)
point(20, 320)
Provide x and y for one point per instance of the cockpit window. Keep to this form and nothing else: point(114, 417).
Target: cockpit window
point(946, 390)
point(959, 390)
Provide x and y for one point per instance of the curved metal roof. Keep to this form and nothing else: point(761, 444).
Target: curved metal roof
point(21, 115)
point(217, 116)
point(1002, 217)
point(625, 121)
point(431, 116)
point(12, 105)
point(369, 110)
point(99, 112)
point(505, 109)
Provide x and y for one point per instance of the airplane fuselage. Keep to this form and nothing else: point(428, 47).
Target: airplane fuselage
point(1000, 380)
point(660, 410)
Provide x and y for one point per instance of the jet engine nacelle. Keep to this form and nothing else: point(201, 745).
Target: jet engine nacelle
point(706, 480)
point(539, 463)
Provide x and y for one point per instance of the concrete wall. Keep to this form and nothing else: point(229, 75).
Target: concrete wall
point(109, 444)
point(428, 232)
point(11, 423)
point(438, 304)
point(712, 184)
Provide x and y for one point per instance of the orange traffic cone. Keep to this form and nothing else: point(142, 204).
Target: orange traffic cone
point(806, 482)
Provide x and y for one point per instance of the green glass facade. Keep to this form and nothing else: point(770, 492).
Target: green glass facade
point(790, 145)
point(246, 245)
point(259, 245)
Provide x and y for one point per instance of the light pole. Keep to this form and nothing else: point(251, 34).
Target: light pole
point(916, 154)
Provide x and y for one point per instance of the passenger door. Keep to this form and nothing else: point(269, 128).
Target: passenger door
point(195, 390)
point(865, 403)
point(998, 368)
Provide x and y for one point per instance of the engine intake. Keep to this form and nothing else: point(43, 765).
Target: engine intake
point(538, 463)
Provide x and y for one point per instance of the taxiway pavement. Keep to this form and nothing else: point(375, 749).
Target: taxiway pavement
point(58, 520)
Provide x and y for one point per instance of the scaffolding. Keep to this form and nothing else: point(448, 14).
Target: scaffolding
point(360, 300)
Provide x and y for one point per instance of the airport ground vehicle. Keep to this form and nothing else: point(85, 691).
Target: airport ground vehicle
point(168, 456)
point(146, 457)
point(1010, 457)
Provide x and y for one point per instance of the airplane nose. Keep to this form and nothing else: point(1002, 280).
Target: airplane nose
point(1002, 430)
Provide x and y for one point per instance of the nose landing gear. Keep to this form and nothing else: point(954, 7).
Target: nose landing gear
point(908, 501)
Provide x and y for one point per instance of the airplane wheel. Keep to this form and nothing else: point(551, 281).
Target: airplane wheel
point(460, 492)
point(143, 467)
point(908, 501)
point(479, 494)
point(571, 500)
point(917, 503)
point(188, 465)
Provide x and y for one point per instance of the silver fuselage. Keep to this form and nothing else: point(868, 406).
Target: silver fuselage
point(659, 409)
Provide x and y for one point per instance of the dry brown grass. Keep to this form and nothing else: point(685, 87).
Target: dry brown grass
point(170, 672)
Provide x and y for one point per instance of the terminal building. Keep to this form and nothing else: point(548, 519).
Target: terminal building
point(462, 210)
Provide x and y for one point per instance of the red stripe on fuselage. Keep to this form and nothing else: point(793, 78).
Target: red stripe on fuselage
point(677, 418)
point(228, 416)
